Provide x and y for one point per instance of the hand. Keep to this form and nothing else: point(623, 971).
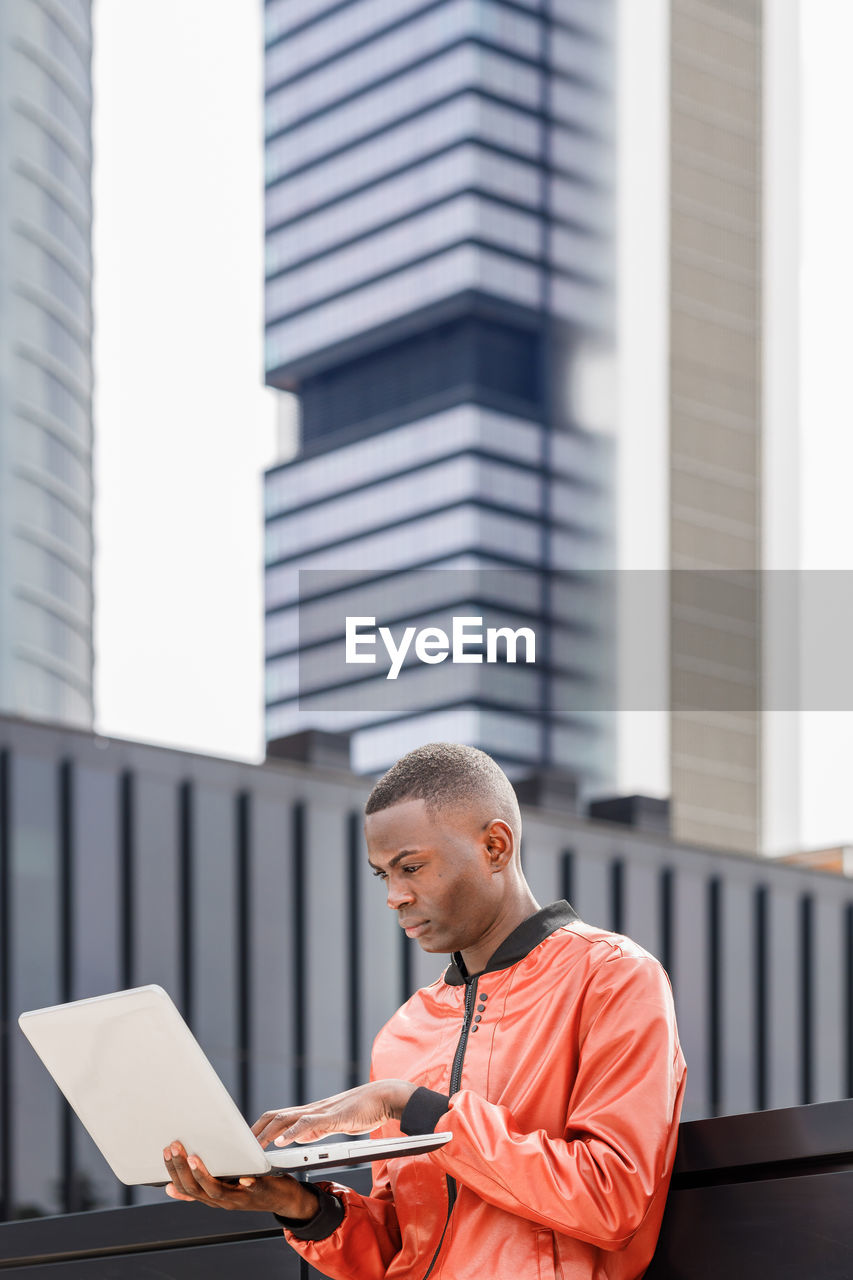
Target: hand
point(191, 1181)
point(356, 1111)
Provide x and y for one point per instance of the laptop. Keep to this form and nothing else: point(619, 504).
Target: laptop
point(138, 1079)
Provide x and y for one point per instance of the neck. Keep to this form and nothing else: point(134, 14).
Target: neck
point(520, 907)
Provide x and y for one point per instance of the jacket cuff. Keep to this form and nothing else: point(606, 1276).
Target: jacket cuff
point(327, 1219)
point(423, 1111)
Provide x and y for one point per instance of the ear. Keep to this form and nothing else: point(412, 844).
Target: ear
point(499, 843)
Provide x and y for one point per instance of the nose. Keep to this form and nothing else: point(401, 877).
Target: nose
point(399, 894)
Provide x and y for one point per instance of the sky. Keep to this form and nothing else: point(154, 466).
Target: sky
point(184, 426)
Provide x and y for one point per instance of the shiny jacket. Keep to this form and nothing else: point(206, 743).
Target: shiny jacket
point(559, 1074)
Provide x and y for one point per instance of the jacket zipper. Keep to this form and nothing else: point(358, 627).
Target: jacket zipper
point(455, 1085)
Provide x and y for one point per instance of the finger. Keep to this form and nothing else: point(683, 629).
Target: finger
point(180, 1171)
point(276, 1122)
point(311, 1127)
point(172, 1190)
point(291, 1114)
point(211, 1186)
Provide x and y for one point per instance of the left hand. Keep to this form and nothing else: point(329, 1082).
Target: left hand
point(191, 1181)
point(356, 1111)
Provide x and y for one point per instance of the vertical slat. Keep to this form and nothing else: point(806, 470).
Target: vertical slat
point(272, 957)
point(326, 1012)
point(617, 895)
point(186, 813)
point(34, 928)
point(567, 876)
point(666, 909)
point(127, 859)
point(848, 997)
point(806, 986)
point(355, 945)
point(761, 994)
point(381, 980)
point(713, 994)
point(783, 1060)
point(65, 839)
point(591, 887)
point(828, 1009)
point(299, 912)
point(5, 992)
point(154, 900)
point(244, 975)
point(96, 915)
point(641, 904)
point(127, 809)
point(214, 928)
point(155, 883)
point(737, 1000)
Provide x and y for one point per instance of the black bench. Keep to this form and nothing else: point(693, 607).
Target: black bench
point(766, 1194)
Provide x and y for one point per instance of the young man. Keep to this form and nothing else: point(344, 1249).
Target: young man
point(548, 1050)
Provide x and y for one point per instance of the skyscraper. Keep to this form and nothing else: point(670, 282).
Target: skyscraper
point(711, 128)
point(439, 237)
point(46, 360)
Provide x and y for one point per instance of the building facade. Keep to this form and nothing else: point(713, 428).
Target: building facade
point(244, 890)
point(709, 266)
point(46, 655)
point(439, 241)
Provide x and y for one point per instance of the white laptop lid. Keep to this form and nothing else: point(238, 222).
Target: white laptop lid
point(138, 1079)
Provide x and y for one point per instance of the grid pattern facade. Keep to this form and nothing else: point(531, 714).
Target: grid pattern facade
point(716, 469)
point(244, 890)
point(439, 214)
point(46, 652)
point(418, 150)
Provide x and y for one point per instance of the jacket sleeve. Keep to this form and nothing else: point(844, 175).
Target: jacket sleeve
point(361, 1238)
point(366, 1237)
point(598, 1180)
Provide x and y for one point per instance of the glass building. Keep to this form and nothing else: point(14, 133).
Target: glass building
point(46, 360)
point(439, 263)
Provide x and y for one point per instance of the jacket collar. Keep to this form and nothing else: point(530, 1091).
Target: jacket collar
point(520, 943)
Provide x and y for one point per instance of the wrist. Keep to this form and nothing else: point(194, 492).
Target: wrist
point(400, 1093)
point(305, 1207)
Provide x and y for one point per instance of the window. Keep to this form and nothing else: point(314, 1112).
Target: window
point(419, 88)
point(577, 203)
point(585, 108)
point(465, 218)
point(336, 32)
point(40, 509)
point(381, 58)
point(587, 59)
point(398, 450)
point(402, 498)
point(460, 268)
point(285, 15)
point(44, 392)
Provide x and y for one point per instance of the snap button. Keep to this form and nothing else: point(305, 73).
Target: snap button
point(475, 1029)
point(478, 1017)
point(481, 1008)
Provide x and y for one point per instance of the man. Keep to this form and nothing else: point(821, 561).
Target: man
point(548, 1050)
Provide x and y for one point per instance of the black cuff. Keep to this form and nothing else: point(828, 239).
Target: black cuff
point(327, 1219)
point(423, 1111)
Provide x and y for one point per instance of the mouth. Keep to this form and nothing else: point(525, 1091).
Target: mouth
point(415, 929)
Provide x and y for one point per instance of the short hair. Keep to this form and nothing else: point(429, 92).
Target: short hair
point(445, 774)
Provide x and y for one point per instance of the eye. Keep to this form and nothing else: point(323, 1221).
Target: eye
point(380, 875)
point(411, 869)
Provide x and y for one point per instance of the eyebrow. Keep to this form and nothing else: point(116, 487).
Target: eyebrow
point(406, 853)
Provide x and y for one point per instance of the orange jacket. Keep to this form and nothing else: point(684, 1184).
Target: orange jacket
point(559, 1074)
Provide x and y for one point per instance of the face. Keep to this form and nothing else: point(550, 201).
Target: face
point(440, 871)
